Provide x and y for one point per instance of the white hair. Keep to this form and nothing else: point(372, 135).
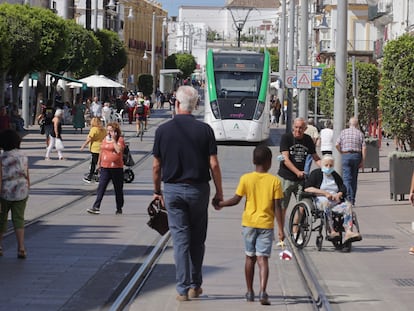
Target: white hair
point(188, 97)
point(327, 157)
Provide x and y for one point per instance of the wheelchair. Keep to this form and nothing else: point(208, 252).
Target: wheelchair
point(306, 218)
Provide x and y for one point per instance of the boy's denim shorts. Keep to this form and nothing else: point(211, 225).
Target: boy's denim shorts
point(257, 242)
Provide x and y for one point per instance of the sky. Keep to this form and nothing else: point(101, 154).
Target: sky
point(172, 5)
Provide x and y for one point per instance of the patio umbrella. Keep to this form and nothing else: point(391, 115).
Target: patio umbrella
point(96, 81)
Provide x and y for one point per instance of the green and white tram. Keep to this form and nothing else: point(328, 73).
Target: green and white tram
point(237, 98)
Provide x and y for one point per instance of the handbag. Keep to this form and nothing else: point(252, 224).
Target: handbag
point(59, 144)
point(42, 126)
point(127, 157)
point(158, 217)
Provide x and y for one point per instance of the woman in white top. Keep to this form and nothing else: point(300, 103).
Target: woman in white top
point(326, 138)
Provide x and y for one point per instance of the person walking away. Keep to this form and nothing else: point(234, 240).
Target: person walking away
point(147, 104)
point(263, 192)
point(14, 187)
point(312, 131)
point(186, 177)
point(96, 108)
point(111, 166)
point(172, 102)
point(55, 134)
point(140, 113)
point(411, 199)
point(79, 116)
point(326, 138)
point(46, 116)
point(351, 144)
point(294, 147)
point(330, 197)
point(96, 134)
point(130, 106)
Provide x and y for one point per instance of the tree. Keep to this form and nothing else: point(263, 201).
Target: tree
point(145, 84)
point(84, 53)
point(185, 62)
point(368, 79)
point(397, 93)
point(5, 53)
point(114, 53)
point(24, 36)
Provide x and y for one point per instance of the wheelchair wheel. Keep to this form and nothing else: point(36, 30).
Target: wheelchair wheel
point(300, 223)
point(128, 175)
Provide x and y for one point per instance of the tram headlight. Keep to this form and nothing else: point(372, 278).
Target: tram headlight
point(259, 110)
point(215, 109)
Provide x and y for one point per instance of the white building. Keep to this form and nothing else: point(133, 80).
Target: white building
point(188, 34)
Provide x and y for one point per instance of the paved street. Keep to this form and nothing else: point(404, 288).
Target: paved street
point(76, 261)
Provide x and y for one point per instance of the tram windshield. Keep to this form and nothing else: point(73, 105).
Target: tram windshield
point(237, 84)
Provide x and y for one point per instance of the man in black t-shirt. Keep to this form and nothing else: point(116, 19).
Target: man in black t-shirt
point(185, 159)
point(295, 147)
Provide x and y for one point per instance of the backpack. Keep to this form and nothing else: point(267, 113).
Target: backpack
point(48, 115)
point(140, 108)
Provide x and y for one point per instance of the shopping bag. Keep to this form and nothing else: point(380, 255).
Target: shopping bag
point(59, 144)
point(158, 217)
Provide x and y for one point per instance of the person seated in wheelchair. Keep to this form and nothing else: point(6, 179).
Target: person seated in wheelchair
point(330, 192)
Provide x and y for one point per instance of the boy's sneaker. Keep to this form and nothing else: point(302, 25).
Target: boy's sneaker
point(93, 210)
point(87, 180)
point(118, 211)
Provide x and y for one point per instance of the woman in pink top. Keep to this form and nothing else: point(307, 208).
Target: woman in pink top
point(111, 166)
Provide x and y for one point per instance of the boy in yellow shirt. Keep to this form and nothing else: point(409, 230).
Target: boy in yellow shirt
point(263, 193)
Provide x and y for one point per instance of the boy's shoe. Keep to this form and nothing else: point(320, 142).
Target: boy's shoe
point(264, 299)
point(182, 298)
point(195, 292)
point(87, 180)
point(93, 210)
point(249, 296)
point(118, 211)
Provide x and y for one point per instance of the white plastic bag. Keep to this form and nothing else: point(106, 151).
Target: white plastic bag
point(59, 144)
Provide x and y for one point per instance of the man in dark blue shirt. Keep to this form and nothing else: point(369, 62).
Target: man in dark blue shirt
point(185, 153)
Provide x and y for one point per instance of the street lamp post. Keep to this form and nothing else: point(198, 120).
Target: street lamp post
point(153, 54)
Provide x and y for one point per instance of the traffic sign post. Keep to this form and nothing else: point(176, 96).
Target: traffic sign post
point(304, 77)
point(316, 76)
point(290, 75)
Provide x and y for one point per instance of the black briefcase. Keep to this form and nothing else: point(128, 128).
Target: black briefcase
point(158, 217)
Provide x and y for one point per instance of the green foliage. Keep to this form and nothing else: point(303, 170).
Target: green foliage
point(212, 35)
point(114, 53)
point(368, 79)
point(397, 94)
point(5, 47)
point(24, 39)
point(185, 62)
point(84, 54)
point(53, 38)
point(145, 84)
